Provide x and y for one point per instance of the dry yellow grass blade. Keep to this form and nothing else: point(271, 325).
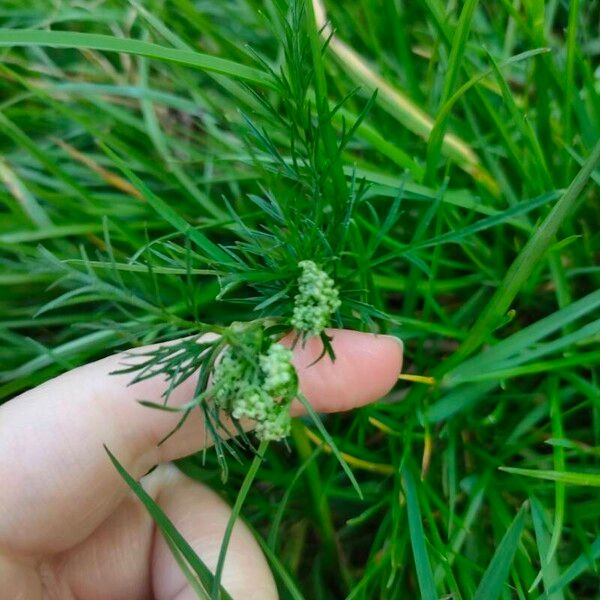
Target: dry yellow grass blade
point(358, 463)
point(427, 454)
point(109, 177)
point(23, 196)
point(397, 104)
point(383, 427)
point(417, 378)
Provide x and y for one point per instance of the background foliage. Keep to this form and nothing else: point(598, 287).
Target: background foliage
point(475, 175)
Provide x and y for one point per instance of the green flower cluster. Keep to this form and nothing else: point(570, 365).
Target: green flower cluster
point(317, 299)
point(259, 388)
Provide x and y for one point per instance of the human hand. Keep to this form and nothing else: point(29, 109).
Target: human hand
point(70, 528)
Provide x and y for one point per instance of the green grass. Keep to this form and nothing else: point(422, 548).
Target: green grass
point(465, 207)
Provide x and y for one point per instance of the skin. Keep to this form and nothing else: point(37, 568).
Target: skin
point(69, 526)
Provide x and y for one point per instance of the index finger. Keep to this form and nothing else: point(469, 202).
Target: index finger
point(58, 484)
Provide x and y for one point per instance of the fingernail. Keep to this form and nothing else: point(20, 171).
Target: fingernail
point(396, 339)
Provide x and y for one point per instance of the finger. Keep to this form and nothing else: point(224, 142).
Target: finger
point(127, 558)
point(364, 369)
point(202, 516)
point(52, 463)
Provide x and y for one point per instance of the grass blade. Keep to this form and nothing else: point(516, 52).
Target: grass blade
point(417, 538)
point(549, 569)
point(170, 532)
point(170, 215)
point(579, 566)
point(279, 569)
point(527, 337)
point(569, 477)
point(492, 583)
point(527, 259)
point(94, 41)
point(459, 42)
point(329, 440)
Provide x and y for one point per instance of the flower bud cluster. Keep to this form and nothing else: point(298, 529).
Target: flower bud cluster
point(317, 299)
point(259, 388)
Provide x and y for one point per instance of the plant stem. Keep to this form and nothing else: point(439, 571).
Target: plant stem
point(237, 507)
point(327, 134)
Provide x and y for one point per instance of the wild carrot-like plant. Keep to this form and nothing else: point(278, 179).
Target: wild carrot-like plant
point(212, 177)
